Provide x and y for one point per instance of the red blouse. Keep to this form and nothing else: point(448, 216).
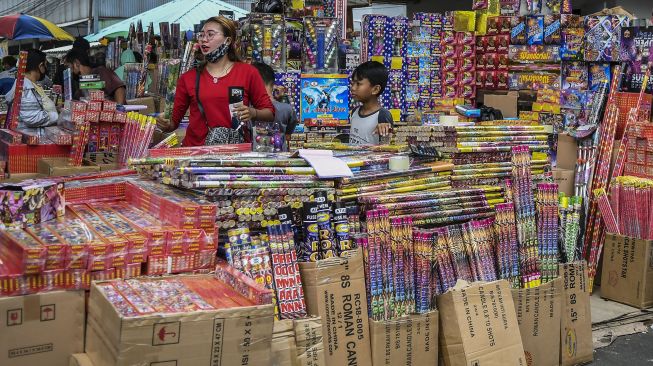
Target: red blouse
point(215, 99)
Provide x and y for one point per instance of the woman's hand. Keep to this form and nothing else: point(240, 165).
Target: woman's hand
point(163, 124)
point(244, 113)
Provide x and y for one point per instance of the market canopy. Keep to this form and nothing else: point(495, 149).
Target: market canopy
point(23, 26)
point(185, 12)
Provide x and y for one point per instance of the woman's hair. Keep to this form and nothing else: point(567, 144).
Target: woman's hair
point(34, 59)
point(229, 29)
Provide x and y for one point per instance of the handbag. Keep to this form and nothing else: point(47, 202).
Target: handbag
point(216, 135)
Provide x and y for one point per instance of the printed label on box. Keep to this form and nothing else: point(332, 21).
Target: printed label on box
point(166, 333)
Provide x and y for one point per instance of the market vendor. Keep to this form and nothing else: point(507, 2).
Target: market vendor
point(36, 108)
point(220, 76)
point(80, 64)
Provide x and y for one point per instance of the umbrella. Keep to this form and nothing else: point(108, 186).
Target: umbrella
point(21, 26)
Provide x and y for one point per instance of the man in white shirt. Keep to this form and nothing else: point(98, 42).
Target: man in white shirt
point(36, 108)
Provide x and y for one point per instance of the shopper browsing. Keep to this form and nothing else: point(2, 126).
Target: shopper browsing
point(370, 120)
point(224, 95)
point(36, 108)
point(284, 114)
point(79, 63)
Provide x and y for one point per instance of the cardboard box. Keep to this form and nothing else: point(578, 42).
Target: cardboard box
point(42, 329)
point(567, 153)
point(478, 325)
point(232, 336)
point(80, 359)
point(538, 313)
point(334, 289)
point(506, 103)
point(576, 321)
point(310, 345)
point(284, 349)
point(565, 179)
point(59, 167)
point(412, 340)
point(627, 275)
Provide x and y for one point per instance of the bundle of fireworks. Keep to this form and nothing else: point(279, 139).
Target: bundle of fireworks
point(31, 202)
point(257, 208)
point(639, 154)
point(547, 229)
point(525, 214)
point(11, 122)
point(386, 182)
point(184, 210)
point(176, 306)
point(438, 207)
point(194, 151)
point(170, 141)
point(80, 140)
point(466, 175)
point(595, 229)
point(471, 139)
point(628, 210)
point(569, 233)
point(136, 137)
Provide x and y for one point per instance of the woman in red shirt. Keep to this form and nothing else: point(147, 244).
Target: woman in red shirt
point(219, 79)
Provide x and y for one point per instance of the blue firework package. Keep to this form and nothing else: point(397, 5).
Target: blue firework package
point(309, 250)
point(535, 30)
point(598, 74)
point(325, 98)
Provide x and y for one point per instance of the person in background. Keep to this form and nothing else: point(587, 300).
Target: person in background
point(8, 67)
point(370, 120)
point(8, 75)
point(36, 108)
point(129, 57)
point(79, 63)
point(81, 44)
point(206, 90)
point(284, 114)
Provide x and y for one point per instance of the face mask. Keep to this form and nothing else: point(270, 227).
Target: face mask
point(217, 54)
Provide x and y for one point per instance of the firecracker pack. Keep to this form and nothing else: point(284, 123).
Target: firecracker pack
point(266, 35)
point(636, 52)
point(603, 37)
point(171, 206)
point(31, 202)
point(286, 89)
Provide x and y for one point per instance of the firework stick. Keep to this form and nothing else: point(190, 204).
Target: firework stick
point(633, 115)
point(595, 233)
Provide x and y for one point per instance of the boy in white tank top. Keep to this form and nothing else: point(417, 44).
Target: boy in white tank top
point(370, 120)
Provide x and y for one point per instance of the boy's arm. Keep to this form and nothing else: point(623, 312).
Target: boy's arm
point(385, 123)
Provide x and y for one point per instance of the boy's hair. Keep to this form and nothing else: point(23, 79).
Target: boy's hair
point(78, 55)
point(373, 71)
point(9, 61)
point(267, 74)
point(34, 59)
